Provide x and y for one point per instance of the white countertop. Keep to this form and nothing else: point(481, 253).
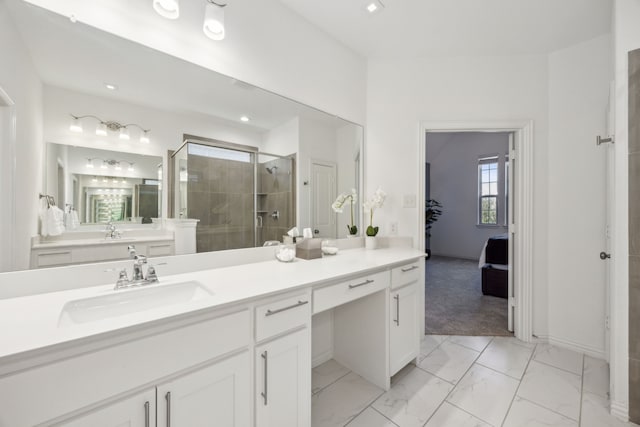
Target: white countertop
point(31, 323)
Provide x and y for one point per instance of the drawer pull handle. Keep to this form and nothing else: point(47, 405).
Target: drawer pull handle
point(146, 414)
point(264, 393)
point(413, 267)
point(397, 319)
point(280, 310)
point(168, 398)
point(357, 285)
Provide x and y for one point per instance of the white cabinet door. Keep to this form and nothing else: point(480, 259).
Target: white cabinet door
point(218, 394)
point(135, 411)
point(283, 381)
point(404, 327)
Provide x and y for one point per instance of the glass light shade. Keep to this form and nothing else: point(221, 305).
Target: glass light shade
point(213, 22)
point(89, 164)
point(124, 133)
point(101, 130)
point(144, 138)
point(75, 125)
point(130, 169)
point(118, 167)
point(169, 9)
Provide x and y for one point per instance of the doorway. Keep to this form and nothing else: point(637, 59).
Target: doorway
point(467, 214)
point(7, 176)
point(323, 190)
point(520, 223)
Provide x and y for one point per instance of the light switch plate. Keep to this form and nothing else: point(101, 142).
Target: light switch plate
point(409, 201)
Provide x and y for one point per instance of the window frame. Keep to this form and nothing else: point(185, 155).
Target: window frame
point(483, 161)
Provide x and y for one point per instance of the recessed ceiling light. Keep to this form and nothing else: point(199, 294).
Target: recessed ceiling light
point(110, 86)
point(374, 6)
point(169, 9)
point(244, 118)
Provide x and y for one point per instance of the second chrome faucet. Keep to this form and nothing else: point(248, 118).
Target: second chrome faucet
point(137, 278)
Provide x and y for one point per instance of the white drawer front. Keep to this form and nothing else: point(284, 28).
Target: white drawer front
point(54, 258)
point(335, 295)
point(282, 315)
point(406, 274)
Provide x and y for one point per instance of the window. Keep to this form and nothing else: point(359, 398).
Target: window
point(488, 191)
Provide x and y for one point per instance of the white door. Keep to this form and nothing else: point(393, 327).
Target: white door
point(404, 324)
point(218, 394)
point(283, 381)
point(511, 215)
point(323, 194)
point(135, 411)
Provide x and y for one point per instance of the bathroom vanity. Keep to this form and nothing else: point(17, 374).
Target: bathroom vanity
point(232, 344)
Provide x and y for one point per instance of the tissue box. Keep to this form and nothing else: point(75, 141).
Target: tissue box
point(309, 249)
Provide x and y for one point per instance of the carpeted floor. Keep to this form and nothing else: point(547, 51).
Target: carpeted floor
point(454, 304)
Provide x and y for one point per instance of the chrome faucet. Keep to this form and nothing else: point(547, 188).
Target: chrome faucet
point(137, 278)
point(112, 231)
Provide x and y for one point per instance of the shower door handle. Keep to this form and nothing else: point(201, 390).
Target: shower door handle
point(316, 231)
point(259, 221)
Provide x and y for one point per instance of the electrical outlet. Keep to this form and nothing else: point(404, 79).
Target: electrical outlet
point(409, 201)
point(393, 228)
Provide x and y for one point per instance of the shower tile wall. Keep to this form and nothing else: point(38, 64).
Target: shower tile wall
point(634, 236)
point(275, 193)
point(220, 195)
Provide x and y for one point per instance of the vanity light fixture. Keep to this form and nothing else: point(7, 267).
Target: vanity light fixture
point(106, 163)
point(95, 179)
point(213, 26)
point(110, 125)
point(169, 9)
point(90, 163)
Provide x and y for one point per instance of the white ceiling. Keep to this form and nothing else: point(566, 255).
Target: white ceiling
point(420, 28)
point(81, 58)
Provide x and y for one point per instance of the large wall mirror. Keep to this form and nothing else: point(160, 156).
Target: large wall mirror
point(157, 137)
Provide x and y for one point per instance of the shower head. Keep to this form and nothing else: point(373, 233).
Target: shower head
point(272, 169)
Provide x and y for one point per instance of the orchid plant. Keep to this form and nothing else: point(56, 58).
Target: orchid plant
point(371, 204)
point(338, 207)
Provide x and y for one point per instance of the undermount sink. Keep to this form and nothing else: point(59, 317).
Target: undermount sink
point(120, 303)
point(118, 239)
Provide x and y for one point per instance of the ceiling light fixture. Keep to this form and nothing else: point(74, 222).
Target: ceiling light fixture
point(169, 9)
point(374, 6)
point(104, 126)
point(110, 86)
point(213, 26)
point(244, 119)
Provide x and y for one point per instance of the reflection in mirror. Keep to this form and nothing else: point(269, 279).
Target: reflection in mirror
point(267, 195)
point(104, 186)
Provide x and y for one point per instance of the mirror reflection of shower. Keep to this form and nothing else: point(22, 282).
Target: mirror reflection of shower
point(233, 191)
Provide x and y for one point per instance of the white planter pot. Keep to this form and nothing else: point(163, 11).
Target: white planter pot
point(370, 242)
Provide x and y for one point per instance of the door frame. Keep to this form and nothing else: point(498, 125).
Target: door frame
point(8, 159)
point(522, 221)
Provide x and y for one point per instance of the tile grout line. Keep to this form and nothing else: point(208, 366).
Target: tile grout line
point(562, 369)
point(390, 420)
point(545, 408)
point(456, 385)
point(331, 383)
point(581, 393)
point(365, 408)
point(533, 352)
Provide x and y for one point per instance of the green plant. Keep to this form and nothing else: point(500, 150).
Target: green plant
point(433, 210)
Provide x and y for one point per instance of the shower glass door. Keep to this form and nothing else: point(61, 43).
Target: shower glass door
point(275, 207)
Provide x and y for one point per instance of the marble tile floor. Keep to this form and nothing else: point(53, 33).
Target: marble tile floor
point(471, 382)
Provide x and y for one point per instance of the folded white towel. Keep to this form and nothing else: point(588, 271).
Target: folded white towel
point(55, 221)
point(75, 222)
point(44, 208)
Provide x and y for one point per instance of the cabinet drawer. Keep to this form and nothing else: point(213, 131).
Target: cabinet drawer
point(159, 249)
point(53, 258)
point(340, 293)
point(281, 315)
point(406, 274)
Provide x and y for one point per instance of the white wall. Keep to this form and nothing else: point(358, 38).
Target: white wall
point(402, 93)
point(19, 79)
point(626, 37)
point(579, 79)
point(266, 44)
point(454, 183)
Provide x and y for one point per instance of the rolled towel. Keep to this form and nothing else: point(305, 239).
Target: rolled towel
point(43, 213)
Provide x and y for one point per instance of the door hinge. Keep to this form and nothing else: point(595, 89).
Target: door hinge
point(512, 228)
point(609, 139)
point(512, 302)
point(607, 322)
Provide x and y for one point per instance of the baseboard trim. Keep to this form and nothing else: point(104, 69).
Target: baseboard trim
point(597, 353)
point(620, 410)
point(321, 358)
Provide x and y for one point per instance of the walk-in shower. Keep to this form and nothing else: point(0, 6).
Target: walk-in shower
point(240, 196)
